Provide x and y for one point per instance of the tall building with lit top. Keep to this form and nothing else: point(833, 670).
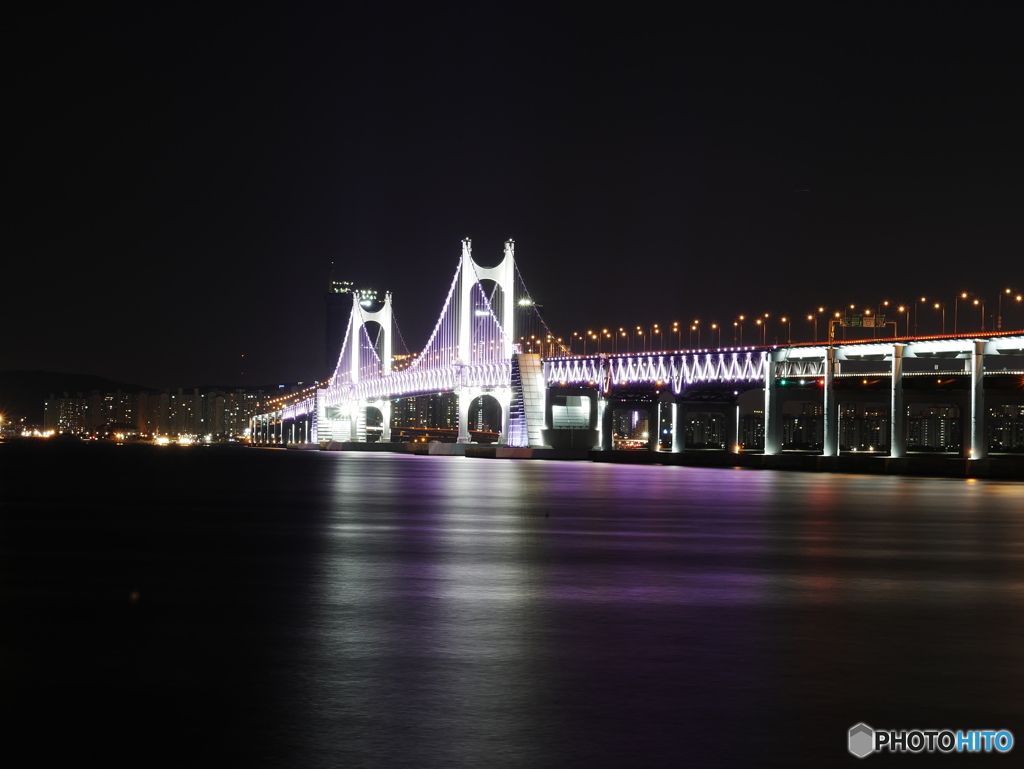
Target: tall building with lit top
point(337, 306)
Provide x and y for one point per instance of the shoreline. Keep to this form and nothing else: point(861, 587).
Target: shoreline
point(1000, 467)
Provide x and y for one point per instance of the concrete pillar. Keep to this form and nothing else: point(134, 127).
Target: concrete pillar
point(897, 419)
point(385, 413)
point(678, 430)
point(829, 407)
point(606, 425)
point(772, 410)
point(654, 427)
point(357, 422)
point(506, 407)
point(731, 427)
point(979, 440)
point(464, 400)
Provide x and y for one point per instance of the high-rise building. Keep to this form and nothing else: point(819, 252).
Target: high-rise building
point(67, 414)
point(337, 306)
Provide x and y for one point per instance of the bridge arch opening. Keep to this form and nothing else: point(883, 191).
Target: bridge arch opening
point(485, 418)
point(631, 427)
point(495, 295)
point(375, 337)
point(374, 424)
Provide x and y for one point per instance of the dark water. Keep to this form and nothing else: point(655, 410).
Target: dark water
point(324, 609)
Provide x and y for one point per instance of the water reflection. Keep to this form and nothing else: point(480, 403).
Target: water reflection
point(380, 610)
point(528, 614)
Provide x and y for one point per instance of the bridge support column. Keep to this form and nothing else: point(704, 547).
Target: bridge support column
point(465, 398)
point(897, 419)
point(385, 424)
point(829, 407)
point(730, 437)
point(357, 422)
point(678, 430)
point(606, 425)
point(772, 411)
point(504, 397)
point(979, 440)
point(654, 427)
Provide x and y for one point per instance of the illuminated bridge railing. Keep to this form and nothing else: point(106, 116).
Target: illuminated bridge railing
point(679, 370)
point(403, 384)
point(299, 408)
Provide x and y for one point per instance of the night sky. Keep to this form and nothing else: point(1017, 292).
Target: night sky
point(182, 178)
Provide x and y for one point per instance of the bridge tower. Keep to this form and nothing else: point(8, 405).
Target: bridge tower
point(385, 318)
point(349, 422)
point(504, 276)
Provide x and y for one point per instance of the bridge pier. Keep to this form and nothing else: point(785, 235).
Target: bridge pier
point(979, 440)
point(606, 424)
point(897, 418)
point(600, 407)
point(654, 427)
point(772, 407)
point(830, 410)
point(678, 431)
point(503, 395)
point(732, 428)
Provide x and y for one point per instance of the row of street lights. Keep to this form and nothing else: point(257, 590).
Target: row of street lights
point(642, 338)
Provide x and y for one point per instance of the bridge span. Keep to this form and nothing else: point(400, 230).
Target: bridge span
point(570, 400)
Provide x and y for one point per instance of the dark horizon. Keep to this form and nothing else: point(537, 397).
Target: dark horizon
point(185, 182)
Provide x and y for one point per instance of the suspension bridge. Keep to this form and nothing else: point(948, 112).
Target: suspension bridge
point(479, 346)
point(472, 351)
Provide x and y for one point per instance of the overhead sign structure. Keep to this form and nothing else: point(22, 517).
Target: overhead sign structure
point(863, 321)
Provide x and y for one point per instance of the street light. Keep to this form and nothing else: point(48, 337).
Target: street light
point(905, 311)
point(999, 309)
point(981, 302)
point(713, 327)
point(740, 325)
point(763, 336)
point(789, 329)
point(643, 341)
point(923, 300)
point(820, 311)
point(956, 307)
point(943, 308)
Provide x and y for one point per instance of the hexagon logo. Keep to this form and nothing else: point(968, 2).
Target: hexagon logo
point(862, 740)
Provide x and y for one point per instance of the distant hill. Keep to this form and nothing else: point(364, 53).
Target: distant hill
point(22, 392)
